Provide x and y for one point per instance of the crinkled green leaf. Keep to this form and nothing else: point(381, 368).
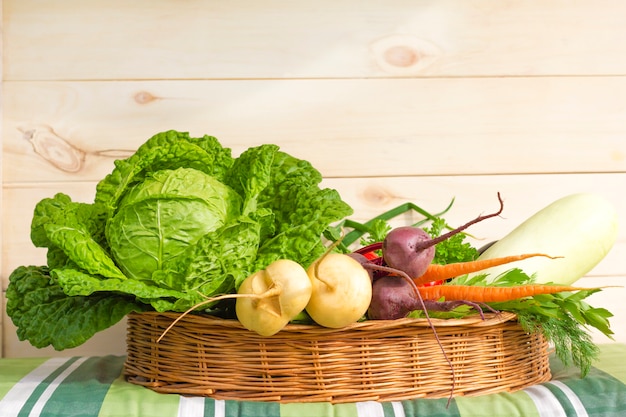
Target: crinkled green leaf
point(76, 283)
point(83, 250)
point(44, 315)
point(56, 258)
point(302, 215)
point(251, 174)
point(47, 211)
point(217, 263)
point(72, 227)
point(166, 150)
point(61, 210)
point(298, 242)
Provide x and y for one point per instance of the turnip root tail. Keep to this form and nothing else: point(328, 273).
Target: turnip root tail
point(270, 293)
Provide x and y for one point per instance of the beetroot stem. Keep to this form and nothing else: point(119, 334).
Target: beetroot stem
point(428, 243)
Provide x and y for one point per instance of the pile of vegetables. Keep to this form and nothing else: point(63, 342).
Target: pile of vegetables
point(425, 271)
point(183, 226)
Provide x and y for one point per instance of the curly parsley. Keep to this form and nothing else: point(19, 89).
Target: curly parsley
point(453, 249)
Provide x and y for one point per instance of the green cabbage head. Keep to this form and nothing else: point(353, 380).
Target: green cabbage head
point(160, 217)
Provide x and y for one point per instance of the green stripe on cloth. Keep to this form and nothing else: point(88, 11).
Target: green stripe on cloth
point(124, 399)
point(13, 370)
point(308, 409)
point(577, 405)
point(502, 404)
point(388, 409)
point(19, 394)
point(600, 393)
point(213, 407)
point(41, 393)
point(83, 389)
point(431, 408)
point(251, 409)
point(565, 402)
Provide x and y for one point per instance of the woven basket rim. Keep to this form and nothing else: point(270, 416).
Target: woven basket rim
point(475, 320)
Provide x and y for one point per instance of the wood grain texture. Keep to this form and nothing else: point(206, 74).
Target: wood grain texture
point(390, 127)
point(168, 39)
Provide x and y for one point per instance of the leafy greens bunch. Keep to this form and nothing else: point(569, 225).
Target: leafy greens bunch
point(178, 221)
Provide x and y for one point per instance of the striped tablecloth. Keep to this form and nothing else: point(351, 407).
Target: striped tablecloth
point(94, 386)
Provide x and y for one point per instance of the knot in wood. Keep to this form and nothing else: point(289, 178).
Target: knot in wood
point(376, 195)
point(144, 97)
point(54, 149)
point(404, 54)
point(401, 56)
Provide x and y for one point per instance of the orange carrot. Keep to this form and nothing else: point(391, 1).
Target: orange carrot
point(486, 294)
point(437, 272)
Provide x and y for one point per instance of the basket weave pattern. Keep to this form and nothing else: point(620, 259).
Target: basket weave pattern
point(372, 360)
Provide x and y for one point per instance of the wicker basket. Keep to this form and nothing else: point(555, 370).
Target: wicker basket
point(372, 360)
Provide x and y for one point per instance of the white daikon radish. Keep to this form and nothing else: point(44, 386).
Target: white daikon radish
point(579, 228)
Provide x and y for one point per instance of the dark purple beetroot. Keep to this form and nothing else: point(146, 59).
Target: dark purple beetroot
point(408, 249)
point(392, 298)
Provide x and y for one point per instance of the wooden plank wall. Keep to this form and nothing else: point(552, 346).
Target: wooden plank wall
point(392, 101)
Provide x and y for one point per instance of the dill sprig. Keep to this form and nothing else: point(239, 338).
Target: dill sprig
point(562, 318)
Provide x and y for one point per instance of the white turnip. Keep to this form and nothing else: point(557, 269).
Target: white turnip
point(342, 290)
point(281, 291)
point(363, 261)
point(266, 300)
